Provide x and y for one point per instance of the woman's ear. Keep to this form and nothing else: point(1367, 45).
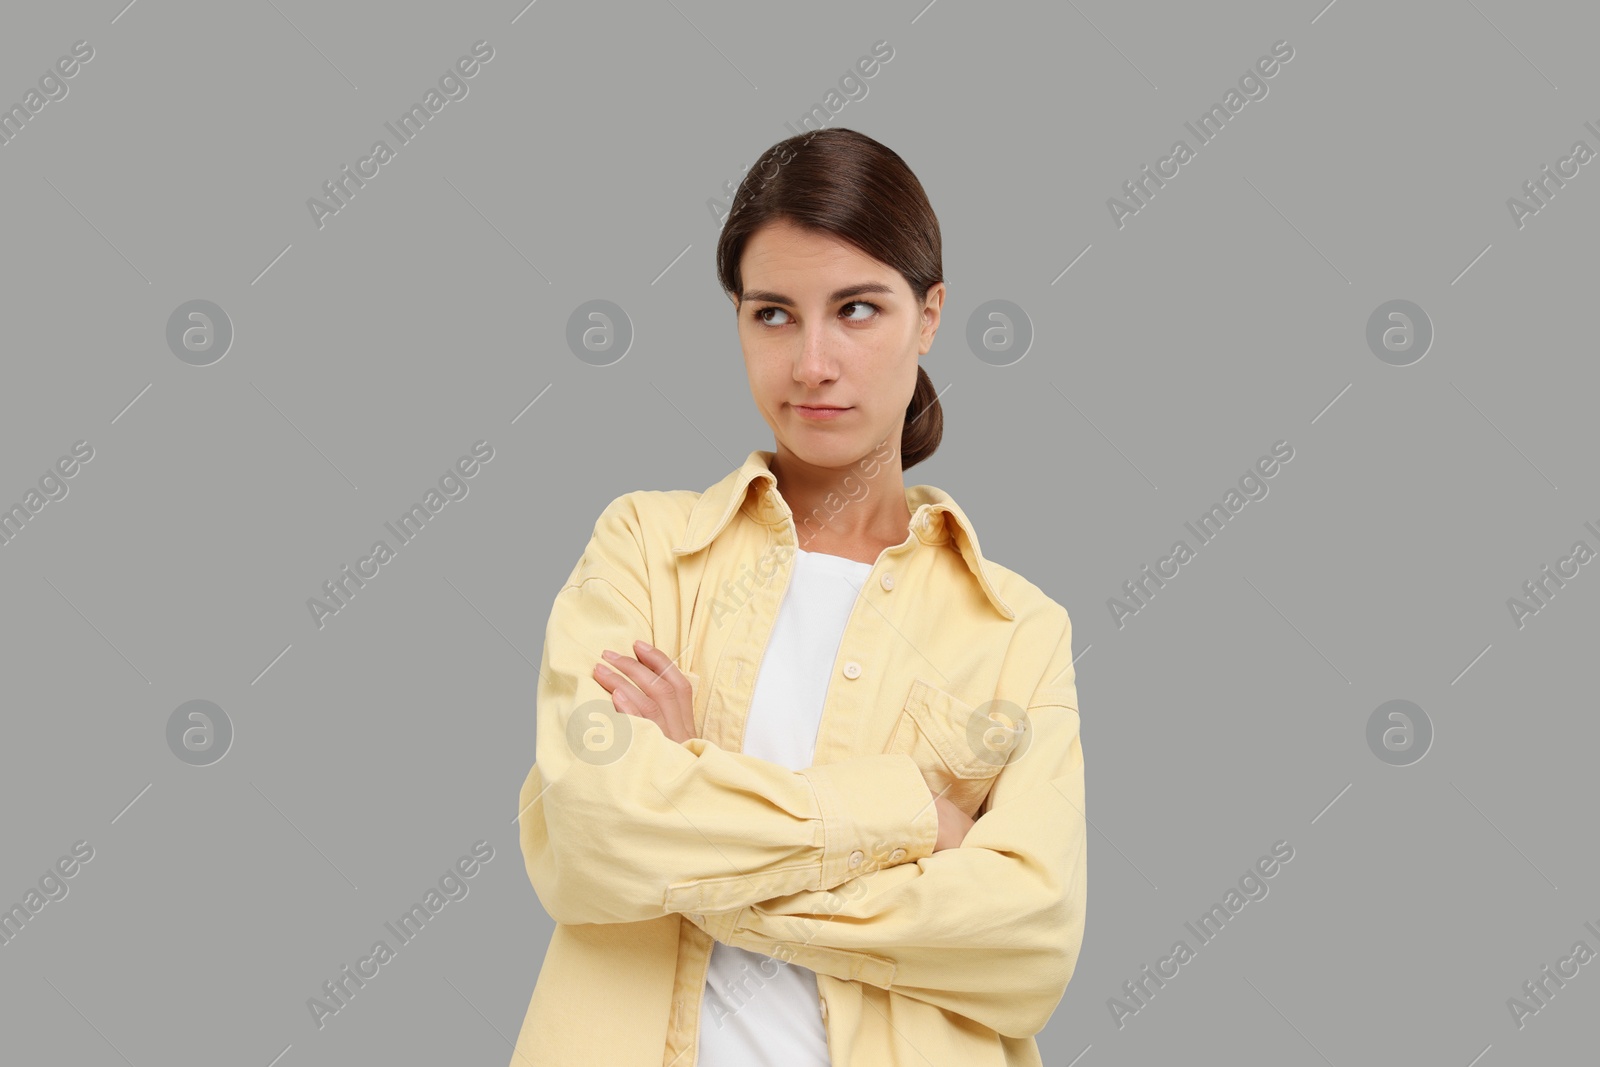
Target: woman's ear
point(932, 306)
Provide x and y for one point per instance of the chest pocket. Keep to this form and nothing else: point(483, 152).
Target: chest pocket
point(955, 744)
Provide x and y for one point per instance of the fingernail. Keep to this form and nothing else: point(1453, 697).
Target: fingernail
point(640, 644)
point(608, 654)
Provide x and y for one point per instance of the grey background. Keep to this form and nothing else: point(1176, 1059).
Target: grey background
point(370, 354)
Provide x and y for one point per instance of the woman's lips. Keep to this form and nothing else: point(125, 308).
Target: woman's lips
point(819, 414)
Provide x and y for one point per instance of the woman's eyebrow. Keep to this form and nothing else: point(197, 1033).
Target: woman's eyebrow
point(770, 297)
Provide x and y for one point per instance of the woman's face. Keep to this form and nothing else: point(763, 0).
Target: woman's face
point(823, 324)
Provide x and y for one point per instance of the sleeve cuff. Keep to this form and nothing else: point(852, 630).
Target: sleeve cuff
point(877, 811)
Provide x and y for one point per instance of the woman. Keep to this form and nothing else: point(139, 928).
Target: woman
point(809, 782)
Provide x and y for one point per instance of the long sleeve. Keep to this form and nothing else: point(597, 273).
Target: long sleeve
point(990, 930)
point(621, 824)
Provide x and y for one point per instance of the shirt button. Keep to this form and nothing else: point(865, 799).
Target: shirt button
point(897, 855)
point(855, 858)
point(852, 669)
point(887, 581)
point(824, 1007)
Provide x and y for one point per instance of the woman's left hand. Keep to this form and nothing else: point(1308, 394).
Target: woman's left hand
point(664, 695)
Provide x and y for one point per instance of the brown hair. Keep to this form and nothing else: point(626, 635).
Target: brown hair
point(842, 182)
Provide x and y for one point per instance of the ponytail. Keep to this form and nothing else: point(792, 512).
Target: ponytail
point(924, 422)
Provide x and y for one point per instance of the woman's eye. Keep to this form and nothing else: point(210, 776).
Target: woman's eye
point(762, 315)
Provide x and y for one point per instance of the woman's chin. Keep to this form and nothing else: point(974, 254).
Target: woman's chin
point(827, 450)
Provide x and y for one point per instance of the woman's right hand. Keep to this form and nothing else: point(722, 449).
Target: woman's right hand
point(953, 824)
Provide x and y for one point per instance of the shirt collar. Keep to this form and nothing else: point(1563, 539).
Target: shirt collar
point(936, 518)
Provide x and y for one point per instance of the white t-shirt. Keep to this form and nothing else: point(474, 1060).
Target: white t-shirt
point(757, 1009)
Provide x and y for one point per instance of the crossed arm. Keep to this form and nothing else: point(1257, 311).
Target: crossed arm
point(990, 930)
point(621, 824)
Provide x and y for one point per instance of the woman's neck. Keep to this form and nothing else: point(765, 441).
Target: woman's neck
point(845, 512)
